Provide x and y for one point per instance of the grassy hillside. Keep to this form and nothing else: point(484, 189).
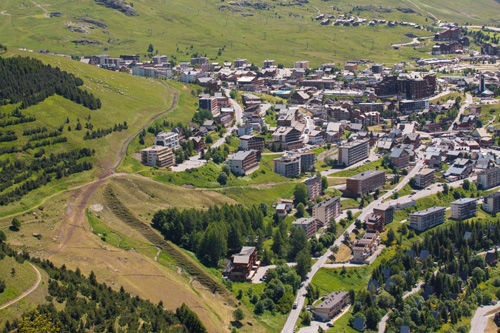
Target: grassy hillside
point(124, 98)
point(285, 32)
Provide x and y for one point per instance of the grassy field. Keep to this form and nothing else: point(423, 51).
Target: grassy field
point(124, 98)
point(181, 29)
point(375, 165)
point(22, 278)
point(332, 279)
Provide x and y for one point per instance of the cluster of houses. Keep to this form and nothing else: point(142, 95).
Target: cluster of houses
point(346, 21)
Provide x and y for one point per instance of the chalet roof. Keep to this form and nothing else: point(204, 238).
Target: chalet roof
point(359, 324)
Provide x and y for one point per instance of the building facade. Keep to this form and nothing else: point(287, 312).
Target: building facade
point(365, 182)
point(463, 209)
point(314, 186)
point(354, 152)
point(243, 162)
point(168, 139)
point(427, 218)
point(288, 166)
point(157, 156)
point(326, 210)
point(489, 178)
point(308, 224)
point(491, 203)
point(425, 177)
point(331, 306)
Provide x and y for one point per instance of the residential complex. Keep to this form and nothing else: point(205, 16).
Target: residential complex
point(331, 306)
point(491, 203)
point(489, 178)
point(314, 186)
point(427, 218)
point(243, 162)
point(464, 208)
point(308, 224)
point(169, 139)
point(365, 247)
point(326, 210)
point(365, 182)
point(385, 212)
point(288, 166)
point(354, 152)
point(157, 156)
point(425, 177)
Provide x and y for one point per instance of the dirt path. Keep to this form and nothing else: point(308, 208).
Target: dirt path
point(429, 13)
point(45, 11)
point(27, 292)
point(76, 216)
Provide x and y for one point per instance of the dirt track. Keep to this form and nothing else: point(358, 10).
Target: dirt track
point(75, 217)
point(27, 292)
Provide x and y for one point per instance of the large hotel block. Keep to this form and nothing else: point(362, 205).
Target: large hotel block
point(354, 152)
point(427, 218)
point(365, 182)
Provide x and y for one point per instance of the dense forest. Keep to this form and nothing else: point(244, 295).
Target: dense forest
point(84, 305)
point(445, 261)
point(28, 81)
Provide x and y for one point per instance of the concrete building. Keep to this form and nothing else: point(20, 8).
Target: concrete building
point(463, 209)
point(354, 152)
point(243, 162)
point(410, 106)
point(313, 186)
point(327, 210)
point(374, 223)
point(365, 182)
point(301, 64)
point(489, 178)
point(288, 166)
point(252, 142)
point(157, 156)
point(169, 139)
point(208, 103)
point(268, 63)
point(307, 161)
point(365, 247)
point(425, 177)
point(239, 62)
point(242, 265)
point(491, 203)
point(331, 306)
point(385, 212)
point(308, 224)
point(427, 218)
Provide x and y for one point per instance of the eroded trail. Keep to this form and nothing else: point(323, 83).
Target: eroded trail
point(27, 292)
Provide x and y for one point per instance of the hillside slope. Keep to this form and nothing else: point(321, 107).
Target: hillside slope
point(281, 30)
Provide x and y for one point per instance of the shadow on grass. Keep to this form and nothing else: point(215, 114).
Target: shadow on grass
point(236, 324)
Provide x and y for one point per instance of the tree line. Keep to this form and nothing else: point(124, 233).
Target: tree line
point(103, 132)
point(105, 310)
point(28, 81)
point(39, 172)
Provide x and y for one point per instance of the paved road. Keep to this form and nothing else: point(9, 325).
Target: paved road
point(300, 299)
point(480, 320)
point(468, 101)
point(27, 292)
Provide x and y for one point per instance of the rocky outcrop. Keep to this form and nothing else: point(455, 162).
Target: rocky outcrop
point(94, 22)
point(120, 5)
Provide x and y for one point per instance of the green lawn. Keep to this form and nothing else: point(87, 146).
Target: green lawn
point(375, 165)
point(332, 279)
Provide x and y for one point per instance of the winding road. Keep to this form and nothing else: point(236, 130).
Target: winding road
point(27, 292)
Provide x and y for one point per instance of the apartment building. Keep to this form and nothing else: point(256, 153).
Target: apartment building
point(427, 218)
point(331, 306)
point(308, 224)
point(288, 166)
point(491, 203)
point(374, 223)
point(313, 186)
point(157, 156)
point(425, 177)
point(208, 103)
point(365, 247)
point(326, 210)
point(354, 152)
point(307, 161)
point(365, 182)
point(385, 212)
point(489, 178)
point(168, 139)
point(252, 142)
point(269, 63)
point(463, 209)
point(243, 162)
point(301, 64)
point(239, 62)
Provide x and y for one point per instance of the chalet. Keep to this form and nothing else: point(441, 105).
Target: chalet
point(242, 265)
point(198, 143)
point(491, 258)
point(300, 97)
point(412, 139)
point(400, 158)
